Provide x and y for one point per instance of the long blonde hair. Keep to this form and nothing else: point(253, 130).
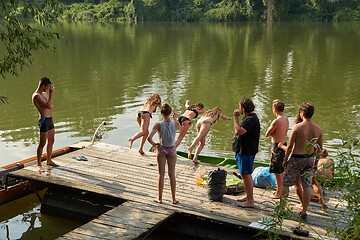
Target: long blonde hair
point(213, 113)
point(154, 100)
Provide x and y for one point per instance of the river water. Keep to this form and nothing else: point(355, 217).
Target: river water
point(104, 72)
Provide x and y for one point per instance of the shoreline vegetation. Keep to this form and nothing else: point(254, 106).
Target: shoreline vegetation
point(208, 10)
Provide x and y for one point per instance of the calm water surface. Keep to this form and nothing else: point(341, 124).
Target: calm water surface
point(105, 73)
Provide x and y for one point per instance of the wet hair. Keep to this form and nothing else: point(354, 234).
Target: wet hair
point(45, 81)
point(165, 109)
point(153, 100)
point(278, 105)
point(307, 109)
point(247, 105)
point(297, 119)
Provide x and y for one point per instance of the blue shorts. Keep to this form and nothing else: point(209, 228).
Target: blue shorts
point(245, 163)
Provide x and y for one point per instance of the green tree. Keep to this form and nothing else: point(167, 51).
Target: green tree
point(21, 37)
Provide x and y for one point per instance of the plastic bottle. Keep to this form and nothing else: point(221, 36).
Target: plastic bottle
point(199, 174)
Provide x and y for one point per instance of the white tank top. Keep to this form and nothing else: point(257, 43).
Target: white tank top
point(167, 133)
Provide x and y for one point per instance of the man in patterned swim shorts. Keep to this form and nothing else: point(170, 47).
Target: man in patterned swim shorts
point(301, 163)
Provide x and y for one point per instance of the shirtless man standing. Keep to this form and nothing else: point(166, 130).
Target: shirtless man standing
point(44, 105)
point(277, 131)
point(303, 137)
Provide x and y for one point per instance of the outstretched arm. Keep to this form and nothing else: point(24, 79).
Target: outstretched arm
point(222, 116)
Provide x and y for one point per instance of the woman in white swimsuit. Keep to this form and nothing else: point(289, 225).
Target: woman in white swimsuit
point(203, 127)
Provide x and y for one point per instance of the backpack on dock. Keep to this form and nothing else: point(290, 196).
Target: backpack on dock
point(216, 184)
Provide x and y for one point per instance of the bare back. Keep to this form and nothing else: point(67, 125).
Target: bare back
point(304, 133)
point(149, 108)
point(189, 114)
point(40, 100)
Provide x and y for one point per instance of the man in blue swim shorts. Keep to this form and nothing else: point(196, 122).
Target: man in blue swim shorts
point(248, 131)
point(43, 102)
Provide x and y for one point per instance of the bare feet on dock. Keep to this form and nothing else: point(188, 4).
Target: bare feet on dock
point(275, 195)
point(40, 169)
point(324, 207)
point(141, 152)
point(130, 142)
point(246, 204)
point(241, 199)
point(195, 162)
point(175, 201)
point(158, 201)
point(52, 164)
point(189, 153)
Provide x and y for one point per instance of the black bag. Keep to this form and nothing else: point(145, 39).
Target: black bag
point(216, 184)
point(236, 143)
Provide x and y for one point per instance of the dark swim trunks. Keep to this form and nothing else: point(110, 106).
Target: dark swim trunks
point(182, 119)
point(45, 124)
point(277, 158)
point(141, 113)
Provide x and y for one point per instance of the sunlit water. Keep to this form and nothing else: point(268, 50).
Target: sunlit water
point(104, 72)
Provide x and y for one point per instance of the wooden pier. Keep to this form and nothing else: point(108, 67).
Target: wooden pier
point(120, 172)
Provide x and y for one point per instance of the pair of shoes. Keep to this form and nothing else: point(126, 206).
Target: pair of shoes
point(300, 232)
point(303, 216)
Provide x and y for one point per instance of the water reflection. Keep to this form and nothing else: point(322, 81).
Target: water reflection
point(21, 219)
point(104, 72)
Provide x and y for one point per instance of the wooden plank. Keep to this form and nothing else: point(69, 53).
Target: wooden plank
point(127, 221)
point(123, 173)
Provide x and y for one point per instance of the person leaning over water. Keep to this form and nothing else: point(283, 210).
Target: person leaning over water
point(301, 163)
point(203, 126)
point(277, 131)
point(184, 120)
point(165, 151)
point(143, 119)
point(249, 131)
point(44, 105)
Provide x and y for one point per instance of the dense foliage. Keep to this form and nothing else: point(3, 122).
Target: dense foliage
point(348, 172)
point(19, 37)
point(210, 10)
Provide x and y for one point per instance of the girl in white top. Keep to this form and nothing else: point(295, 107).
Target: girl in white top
point(165, 151)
